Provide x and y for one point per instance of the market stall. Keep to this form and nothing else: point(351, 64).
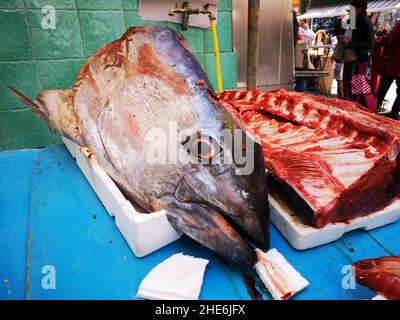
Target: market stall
point(323, 15)
point(322, 57)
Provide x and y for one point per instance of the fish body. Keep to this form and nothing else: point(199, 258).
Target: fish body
point(143, 105)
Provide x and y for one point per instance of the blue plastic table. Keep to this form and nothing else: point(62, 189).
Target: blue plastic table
point(49, 216)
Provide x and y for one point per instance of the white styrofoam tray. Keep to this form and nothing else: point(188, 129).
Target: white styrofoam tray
point(147, 232)
point(144, 232)
point(302, 236)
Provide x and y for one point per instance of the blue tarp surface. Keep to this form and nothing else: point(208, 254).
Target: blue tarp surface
point(51, 221)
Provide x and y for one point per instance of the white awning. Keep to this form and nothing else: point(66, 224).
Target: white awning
point(324, 11)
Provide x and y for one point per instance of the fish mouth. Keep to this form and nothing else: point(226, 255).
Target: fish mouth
point(206, 225)
point(226, 214)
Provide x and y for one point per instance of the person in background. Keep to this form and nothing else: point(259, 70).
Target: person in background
point(389, 67)
point(320, 40)
point(382, 30)
point(302, 60)
point(338, 67)
point(361, 40)
point(306, 32)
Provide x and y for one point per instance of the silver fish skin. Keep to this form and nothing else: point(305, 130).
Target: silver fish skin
point(149, 82)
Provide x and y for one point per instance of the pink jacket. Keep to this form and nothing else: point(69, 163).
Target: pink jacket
point(389, 61)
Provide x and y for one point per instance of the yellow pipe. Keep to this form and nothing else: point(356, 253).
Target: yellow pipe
point(216, 54)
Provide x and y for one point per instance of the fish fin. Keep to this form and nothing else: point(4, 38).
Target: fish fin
point(56, 110)
point(60, 104)
point(40, 111)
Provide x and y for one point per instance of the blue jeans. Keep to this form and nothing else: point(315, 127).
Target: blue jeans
point(300, 85)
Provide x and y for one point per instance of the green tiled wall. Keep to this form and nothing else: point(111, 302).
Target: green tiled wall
point(33, 59)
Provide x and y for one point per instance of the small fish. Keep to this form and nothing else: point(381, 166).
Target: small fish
point(148, 80)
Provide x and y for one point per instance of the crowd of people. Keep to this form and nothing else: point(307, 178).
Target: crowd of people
point(365, 63)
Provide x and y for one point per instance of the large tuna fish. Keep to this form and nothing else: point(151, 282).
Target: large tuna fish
point(147, 80)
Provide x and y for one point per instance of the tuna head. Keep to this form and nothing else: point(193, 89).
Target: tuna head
point(207, 194)
point(221, 209)
point(147, 92)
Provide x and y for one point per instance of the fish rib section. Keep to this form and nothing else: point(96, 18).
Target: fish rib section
point(339, 158)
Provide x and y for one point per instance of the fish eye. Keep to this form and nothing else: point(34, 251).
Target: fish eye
point(202, 147)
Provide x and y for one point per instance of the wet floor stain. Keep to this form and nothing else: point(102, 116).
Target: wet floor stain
point(251, 287)
point(254, 285)
point(347, 245)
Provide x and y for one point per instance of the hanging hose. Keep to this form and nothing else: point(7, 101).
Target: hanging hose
point(216, 55)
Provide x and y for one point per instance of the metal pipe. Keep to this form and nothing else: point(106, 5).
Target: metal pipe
point(186, 10)
point(252, 43)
